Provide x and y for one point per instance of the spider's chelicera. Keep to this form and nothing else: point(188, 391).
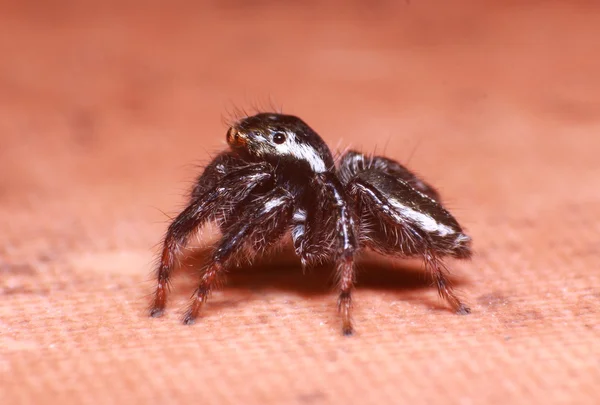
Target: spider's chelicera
point(279, 176)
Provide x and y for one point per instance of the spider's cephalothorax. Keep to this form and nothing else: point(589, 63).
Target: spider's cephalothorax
point(279, 177)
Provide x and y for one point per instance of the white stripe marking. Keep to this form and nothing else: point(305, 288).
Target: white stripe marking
point(425, 221)
point(299, 216)
point(297, 232)
point(275, 202)
point(302, 152)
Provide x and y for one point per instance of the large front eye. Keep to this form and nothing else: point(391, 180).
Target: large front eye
point(279, 138)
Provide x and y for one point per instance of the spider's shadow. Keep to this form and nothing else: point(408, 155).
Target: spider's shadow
point(282, 271)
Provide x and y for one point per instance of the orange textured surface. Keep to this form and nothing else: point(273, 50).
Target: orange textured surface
point(106, 109)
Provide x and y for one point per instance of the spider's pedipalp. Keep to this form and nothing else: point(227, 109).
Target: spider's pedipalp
point(310, 236)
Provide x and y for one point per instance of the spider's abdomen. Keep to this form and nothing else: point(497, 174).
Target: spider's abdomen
point(398, 219)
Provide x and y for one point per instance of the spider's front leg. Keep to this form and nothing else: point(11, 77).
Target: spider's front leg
point(323, 227)
point(400, 216)
point(225, 183)
point(258, 227)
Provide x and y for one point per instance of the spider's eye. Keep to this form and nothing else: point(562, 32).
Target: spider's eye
point(279, 138)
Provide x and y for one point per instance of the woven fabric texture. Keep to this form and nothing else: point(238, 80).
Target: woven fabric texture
point(108, 110)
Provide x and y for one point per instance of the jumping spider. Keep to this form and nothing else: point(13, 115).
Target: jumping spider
point(280, 176)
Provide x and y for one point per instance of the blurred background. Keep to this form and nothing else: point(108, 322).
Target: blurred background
point(108, 109)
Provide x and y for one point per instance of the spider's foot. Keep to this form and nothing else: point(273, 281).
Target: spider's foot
point(344, 306)
point(156, 312)
point(463, 310)
point(193, 311)
point(189, 318)
point(347, 330)
point(159, 302)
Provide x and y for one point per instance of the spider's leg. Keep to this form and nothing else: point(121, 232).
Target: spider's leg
point(326, 228)
point(354, 162)
point(257, 227)
point(439, 274)
point(231, 188)
point(398, 220)
point(308, 221)
point(346, 232)
point(223, 164)
point(346, 279)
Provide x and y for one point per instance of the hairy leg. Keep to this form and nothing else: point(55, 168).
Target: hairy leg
point(326, 227)
point(346, 277)
point(439, 275)
point(223, 164)
point(397, 220)
point(232, 188)
point(258, 228)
